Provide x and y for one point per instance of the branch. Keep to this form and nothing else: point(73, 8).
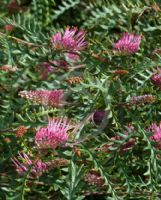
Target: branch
point(20, 40)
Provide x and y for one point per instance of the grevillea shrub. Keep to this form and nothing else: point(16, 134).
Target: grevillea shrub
point(80, 100)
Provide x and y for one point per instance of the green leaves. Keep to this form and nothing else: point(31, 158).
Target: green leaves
point(128, 161)
point(66, 5)
point(104, 174)
point(73, 184)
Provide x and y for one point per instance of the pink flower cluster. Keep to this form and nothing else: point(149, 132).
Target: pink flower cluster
point(138, 100)
point(156, 78)
point(52, 135)
point(54, 98)
point(72, 40)
point(156, 130)
point(128, 44)
point(23, 164)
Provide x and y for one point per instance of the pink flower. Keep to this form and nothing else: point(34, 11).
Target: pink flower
point(25, 163)
point(139, 100)
point(156, 130)
point(156, 78)
point(128, 44)
point(73, 57)
point(52, 135)
point(54, 98)
point(72, 40)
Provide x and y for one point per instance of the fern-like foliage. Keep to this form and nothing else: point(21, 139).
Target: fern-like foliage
point(112, 151)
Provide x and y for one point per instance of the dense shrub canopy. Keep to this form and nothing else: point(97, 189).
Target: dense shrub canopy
point(80, 108)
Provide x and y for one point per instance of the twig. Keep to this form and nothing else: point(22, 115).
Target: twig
point(20, 40)
point(6, 130)
point(88, 193)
